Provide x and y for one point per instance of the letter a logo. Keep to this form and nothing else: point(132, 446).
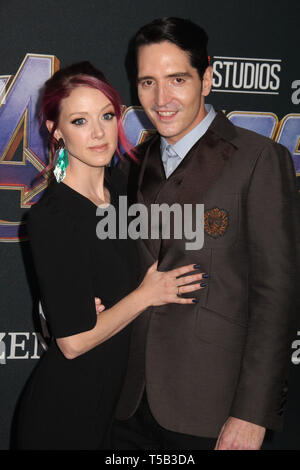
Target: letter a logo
point(19, 122)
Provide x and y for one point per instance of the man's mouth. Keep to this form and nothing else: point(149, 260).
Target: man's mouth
point(166, 114)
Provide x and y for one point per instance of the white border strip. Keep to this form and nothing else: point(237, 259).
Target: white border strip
point(246, 58)
point(252, 92)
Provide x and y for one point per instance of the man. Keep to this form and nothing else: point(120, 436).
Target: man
point(212, 375)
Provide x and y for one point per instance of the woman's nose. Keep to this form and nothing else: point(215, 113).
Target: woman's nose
point(98, 130)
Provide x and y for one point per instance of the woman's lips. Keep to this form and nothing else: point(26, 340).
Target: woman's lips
point(99, 148)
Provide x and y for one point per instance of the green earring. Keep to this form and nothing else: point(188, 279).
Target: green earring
point(60, 162)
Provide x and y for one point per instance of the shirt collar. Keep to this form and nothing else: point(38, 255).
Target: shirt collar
point(184, 145)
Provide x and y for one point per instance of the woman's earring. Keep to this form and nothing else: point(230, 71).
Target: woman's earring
point(61, 161)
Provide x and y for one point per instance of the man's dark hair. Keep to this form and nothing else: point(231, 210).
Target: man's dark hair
point(185, 34)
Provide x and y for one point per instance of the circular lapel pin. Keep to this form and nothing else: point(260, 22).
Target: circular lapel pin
point(216, 222)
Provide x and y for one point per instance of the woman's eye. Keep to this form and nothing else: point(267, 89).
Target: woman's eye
point(79, 121)
point(108, 116)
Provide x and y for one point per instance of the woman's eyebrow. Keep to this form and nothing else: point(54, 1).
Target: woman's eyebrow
point(85, 112)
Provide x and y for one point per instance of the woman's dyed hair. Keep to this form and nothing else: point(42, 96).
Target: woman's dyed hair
point(61, 84)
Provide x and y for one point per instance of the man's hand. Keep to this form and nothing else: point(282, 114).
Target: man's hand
point(99, 306)
point(237, 434)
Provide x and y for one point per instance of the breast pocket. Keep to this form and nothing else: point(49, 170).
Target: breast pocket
point(221, 221)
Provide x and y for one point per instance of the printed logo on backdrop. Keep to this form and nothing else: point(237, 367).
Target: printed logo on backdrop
point(21, 345)
point(246, 75)
point(19, 123)
point(295, 98)
point(296, 354)
point(24, 345)
point(20, 126)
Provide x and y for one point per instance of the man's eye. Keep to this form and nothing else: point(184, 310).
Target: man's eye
point(79, 121)
point(108, 116)
point(147, 83)
point(178, 80)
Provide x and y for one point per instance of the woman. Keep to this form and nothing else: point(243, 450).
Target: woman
point(70, 399)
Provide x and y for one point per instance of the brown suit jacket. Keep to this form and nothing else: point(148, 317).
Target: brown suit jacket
point(228, 354)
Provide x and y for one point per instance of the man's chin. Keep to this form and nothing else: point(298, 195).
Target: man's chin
point(166, 133)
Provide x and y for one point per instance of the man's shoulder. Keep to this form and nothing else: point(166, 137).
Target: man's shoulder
point(254, 145)
point(126, 163)
point(250, 136)
point(141, 148)
point(243, 138)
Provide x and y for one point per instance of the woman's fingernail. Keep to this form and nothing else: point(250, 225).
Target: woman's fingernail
point(203, 284)
point(195, 301)
point(196, 266)
point(205, 276)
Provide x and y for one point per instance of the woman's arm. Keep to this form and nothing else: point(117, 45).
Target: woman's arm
point(157, 288)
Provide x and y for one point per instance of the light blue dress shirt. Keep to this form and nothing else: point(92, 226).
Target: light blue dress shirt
point(172, 155)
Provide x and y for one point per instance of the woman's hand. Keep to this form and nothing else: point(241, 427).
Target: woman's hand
point(157, 288)
point(161, 288)
point(99, 306)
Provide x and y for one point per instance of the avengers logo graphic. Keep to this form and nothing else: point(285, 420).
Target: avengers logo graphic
point(20, 126)
point(19, 122)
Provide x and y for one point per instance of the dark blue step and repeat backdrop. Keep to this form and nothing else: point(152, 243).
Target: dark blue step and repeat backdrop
point(254, 50)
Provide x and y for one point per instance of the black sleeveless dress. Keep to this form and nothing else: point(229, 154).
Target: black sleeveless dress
point(69, 404)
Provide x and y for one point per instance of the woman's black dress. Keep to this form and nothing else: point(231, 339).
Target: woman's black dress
point(69, 404)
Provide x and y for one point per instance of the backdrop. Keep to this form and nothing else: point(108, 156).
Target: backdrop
point(254, 49)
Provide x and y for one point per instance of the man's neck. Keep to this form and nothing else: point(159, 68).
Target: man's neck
point(184, 144)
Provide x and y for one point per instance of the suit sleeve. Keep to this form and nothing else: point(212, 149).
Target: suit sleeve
point(63, 273)
point(272, 230)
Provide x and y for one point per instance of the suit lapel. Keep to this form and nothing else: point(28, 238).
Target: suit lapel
point(201, 168)
point(152, 175)
point(151, 179)
point(191, 180)
point(205, 164)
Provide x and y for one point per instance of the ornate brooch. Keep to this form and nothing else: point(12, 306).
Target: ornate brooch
point(216, 222)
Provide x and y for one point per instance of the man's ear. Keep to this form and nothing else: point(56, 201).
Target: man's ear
point(57, 134)
point(207, 81)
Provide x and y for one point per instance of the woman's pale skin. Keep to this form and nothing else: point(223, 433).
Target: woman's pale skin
point(88, 127)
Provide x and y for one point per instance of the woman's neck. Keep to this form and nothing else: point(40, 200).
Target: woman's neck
point(89, 182)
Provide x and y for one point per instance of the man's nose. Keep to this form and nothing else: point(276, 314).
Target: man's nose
point(162, 95)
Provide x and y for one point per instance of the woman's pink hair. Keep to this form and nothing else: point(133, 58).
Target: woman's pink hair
point(61, 84)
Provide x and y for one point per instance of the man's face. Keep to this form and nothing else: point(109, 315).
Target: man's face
point(170, 89)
